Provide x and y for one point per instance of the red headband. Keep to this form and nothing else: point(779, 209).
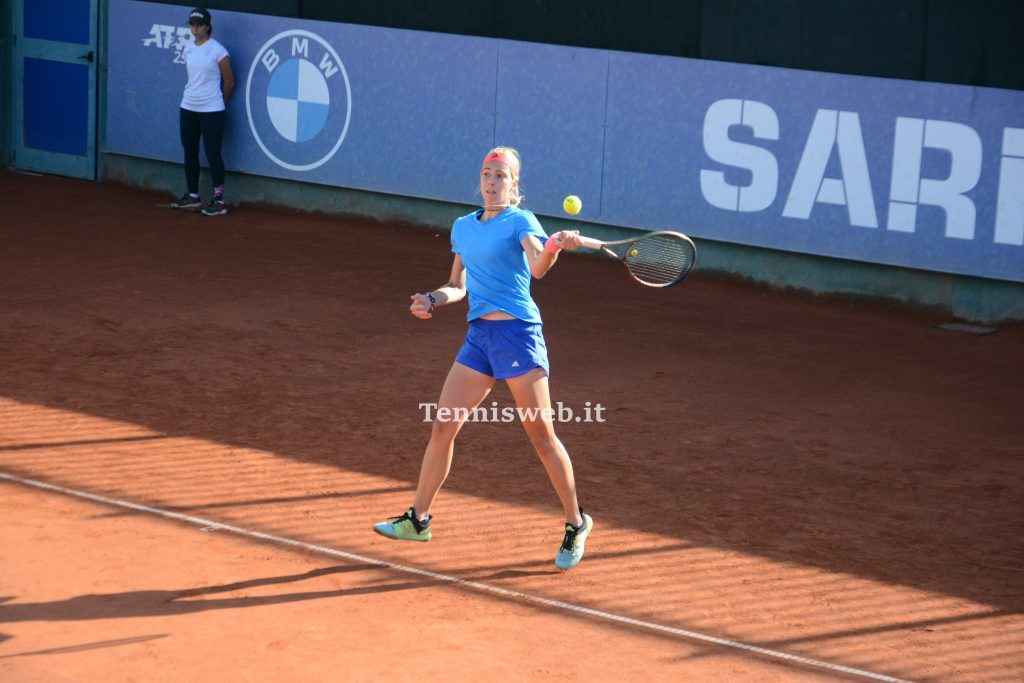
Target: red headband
point(503, 158)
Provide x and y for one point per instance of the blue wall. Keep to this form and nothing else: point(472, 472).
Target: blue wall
point(885, 171)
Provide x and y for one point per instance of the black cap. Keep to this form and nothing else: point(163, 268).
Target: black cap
point(199, 16)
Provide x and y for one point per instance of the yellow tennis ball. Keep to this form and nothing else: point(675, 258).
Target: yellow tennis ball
point(634, 252)
point(572, 204)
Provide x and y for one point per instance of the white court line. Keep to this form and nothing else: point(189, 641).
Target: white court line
point(209, 525)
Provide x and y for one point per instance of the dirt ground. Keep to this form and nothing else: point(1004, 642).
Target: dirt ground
point(827, 479)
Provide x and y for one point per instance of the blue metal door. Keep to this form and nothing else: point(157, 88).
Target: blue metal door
point(55, 86)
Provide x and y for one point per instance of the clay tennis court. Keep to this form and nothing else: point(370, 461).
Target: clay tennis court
point(786, 488)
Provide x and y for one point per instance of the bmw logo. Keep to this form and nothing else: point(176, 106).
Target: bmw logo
point(298, 100)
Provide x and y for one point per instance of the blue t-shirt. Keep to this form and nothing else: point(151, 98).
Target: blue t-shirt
point(497, 269)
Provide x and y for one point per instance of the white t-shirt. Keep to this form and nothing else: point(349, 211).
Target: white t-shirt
point(202, 92)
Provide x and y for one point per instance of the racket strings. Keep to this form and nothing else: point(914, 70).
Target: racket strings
point(660, 260)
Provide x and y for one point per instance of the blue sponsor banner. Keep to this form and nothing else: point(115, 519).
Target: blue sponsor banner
point(896, 172)
point(912, 174)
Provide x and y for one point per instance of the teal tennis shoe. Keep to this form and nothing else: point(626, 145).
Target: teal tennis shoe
point(571, 551)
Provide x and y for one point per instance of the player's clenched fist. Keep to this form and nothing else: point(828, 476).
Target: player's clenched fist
point(421, 306)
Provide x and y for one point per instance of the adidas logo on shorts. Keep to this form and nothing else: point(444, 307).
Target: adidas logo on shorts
point(515, 364)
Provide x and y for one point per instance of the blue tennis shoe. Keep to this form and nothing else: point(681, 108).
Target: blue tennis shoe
point(571, 551)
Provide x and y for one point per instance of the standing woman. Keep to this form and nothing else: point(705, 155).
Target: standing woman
point(497, 250)
point(210, 82)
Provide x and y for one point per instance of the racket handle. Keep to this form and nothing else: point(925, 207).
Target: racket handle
point(590, 243)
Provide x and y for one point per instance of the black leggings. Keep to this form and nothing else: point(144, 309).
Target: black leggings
point(209, 125)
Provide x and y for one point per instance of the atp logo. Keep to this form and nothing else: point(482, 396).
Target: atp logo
point(298, 100)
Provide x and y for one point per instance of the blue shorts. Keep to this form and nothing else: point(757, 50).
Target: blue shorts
point(503, 349)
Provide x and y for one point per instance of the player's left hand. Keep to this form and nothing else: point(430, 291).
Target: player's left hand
point(421, 307)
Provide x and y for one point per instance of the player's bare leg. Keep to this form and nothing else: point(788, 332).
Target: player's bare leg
point(533, 398)
point(463, 391)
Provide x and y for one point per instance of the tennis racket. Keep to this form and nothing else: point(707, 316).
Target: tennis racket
point(657, 259)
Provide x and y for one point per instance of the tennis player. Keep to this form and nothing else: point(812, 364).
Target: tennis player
point(497, 250)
